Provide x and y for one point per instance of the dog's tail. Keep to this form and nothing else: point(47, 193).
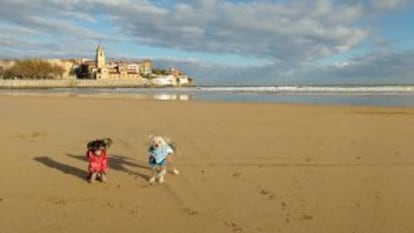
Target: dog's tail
point(108, 142)
point(173, 146)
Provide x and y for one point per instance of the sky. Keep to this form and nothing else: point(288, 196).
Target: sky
point(225, 42)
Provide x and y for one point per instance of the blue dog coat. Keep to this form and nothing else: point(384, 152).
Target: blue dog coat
point(159, 155)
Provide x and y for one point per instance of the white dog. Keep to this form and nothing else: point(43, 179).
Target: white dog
point(160, 152)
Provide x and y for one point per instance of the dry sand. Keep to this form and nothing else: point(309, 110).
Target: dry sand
point(245, 167)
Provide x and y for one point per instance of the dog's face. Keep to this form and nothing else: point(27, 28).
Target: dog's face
point(161, 142)
point(97, 152)
point(157, 142)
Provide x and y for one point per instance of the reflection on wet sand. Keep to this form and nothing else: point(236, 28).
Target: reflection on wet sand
point(172, 96)
point(142, 96)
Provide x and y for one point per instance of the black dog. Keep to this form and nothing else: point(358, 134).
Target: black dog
point(103, 143)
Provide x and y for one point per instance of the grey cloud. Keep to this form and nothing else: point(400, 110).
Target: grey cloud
point(379, 5)
point(289, 32)
point(53, 18)
point(283, 32)
point(386, 67)
point(387, 4)
point(391, 68)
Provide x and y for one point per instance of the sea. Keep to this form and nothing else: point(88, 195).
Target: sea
point(384, 95)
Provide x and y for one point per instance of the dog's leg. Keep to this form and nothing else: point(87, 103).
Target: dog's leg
point(161, 174)
point(88, 176)
point(174, 169)
point(93, 177)
point(154, 174)
point(103, 177)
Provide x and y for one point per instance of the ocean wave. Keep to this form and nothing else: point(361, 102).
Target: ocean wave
point(315, 89)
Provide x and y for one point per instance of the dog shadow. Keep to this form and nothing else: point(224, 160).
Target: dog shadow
point(120, 163)
point(64, 168)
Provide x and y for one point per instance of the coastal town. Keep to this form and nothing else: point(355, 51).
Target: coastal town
point(83, 72)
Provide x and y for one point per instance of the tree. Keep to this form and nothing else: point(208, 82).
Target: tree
point(33, 69)
point(82, 71)
point(159, 71)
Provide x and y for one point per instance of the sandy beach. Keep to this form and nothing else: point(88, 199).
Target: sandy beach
point(245, 167)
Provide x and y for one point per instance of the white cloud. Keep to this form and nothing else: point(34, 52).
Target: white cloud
point(388, 4)
point(293, 35)
point(278, 31)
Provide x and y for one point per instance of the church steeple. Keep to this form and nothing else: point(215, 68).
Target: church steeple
point(100, 57)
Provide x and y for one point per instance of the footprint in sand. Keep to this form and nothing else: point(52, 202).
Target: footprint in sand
point(34, 136)
point(233, 226)
point(237, 174)
point(307, 217)
point(270, 195)
point(190, 212)
point(109, 204)
point(60, 202)
point(134, 211)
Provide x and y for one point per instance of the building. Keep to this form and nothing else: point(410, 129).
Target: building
point(117, 70)
point(100, 69)
point(172, 77)
point(165, 80)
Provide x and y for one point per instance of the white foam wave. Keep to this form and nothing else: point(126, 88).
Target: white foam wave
point(317, 89)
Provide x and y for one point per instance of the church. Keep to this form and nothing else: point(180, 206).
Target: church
point(117, 70)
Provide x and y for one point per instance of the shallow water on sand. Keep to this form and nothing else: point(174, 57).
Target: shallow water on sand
point(399, 96)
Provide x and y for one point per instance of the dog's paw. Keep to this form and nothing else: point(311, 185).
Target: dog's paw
point(163, 172)
point(151, 180)
point(104, 179)
point(176, 172)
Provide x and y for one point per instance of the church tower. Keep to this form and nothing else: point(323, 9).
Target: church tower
point(102, 72)
point(100, 57)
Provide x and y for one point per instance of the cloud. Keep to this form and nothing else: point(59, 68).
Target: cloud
point(373, 69)
point(283, 32)
point(289, 36)
point(389, 68)
point(287, 32)
point(388, 4)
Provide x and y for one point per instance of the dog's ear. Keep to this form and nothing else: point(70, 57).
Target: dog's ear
point(150, 138)
point(108, 142)
point(162, 140)
point(165, 140)
point(91, 145)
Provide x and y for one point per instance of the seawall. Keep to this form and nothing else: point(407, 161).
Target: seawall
point(71, 83)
